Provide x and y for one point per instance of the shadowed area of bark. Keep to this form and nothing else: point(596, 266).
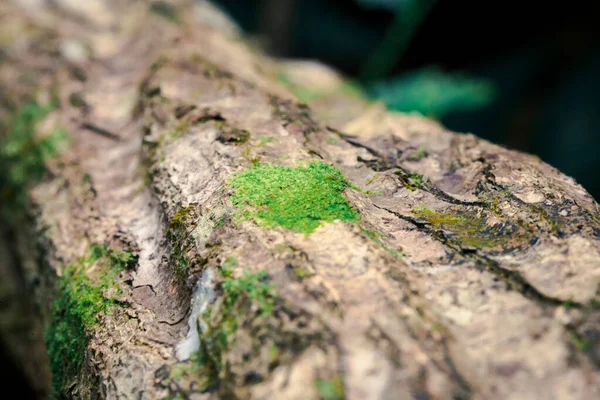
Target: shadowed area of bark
point(466, 270)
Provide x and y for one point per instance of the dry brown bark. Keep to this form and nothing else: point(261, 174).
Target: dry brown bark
point(496, 296)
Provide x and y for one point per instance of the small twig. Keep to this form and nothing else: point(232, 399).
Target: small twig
point(100, 131)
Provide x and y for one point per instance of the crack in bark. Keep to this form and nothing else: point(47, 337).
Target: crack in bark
point(177, 321)
point(100, 131)
point(384, 164)
point(513, 279)
point(463, 384)
point(543, 214)
point(428, 187)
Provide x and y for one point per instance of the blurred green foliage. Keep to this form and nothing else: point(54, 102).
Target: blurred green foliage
point(427, 90)
point(387, 4)
point(408, 16)
point(433, 92)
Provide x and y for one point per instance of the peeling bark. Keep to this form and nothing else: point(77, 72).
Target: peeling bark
point(473, 271)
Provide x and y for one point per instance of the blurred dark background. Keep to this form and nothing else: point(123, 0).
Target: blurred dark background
point(522, 74)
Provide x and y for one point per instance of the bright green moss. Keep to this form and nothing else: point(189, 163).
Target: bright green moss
point(297, 198)
point(76, 310)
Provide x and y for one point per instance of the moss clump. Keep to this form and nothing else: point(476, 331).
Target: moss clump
point(23, 155)
point(178, 237)
point(470, 229)
point(330, 389)
point(297, 198)
point(414, 180)
point(76, 311)
point(301, 273)
point(244, 300)
point(439, 218)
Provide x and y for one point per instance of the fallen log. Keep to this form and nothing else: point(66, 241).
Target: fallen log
point(187, 229)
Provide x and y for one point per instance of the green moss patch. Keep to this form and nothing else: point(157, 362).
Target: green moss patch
point(77, 310)
point(297, 198)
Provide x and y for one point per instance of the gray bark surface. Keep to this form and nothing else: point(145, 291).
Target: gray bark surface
point(495, 297)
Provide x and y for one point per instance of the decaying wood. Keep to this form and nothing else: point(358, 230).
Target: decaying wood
point(496, 295)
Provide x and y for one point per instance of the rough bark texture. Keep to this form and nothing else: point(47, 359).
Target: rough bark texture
point(494, 297)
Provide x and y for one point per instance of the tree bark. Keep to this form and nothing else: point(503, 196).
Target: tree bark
point(471, 271)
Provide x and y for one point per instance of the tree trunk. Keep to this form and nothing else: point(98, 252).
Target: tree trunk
point(172, 248)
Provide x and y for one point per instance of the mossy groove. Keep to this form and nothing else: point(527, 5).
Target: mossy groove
point(80, 302)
